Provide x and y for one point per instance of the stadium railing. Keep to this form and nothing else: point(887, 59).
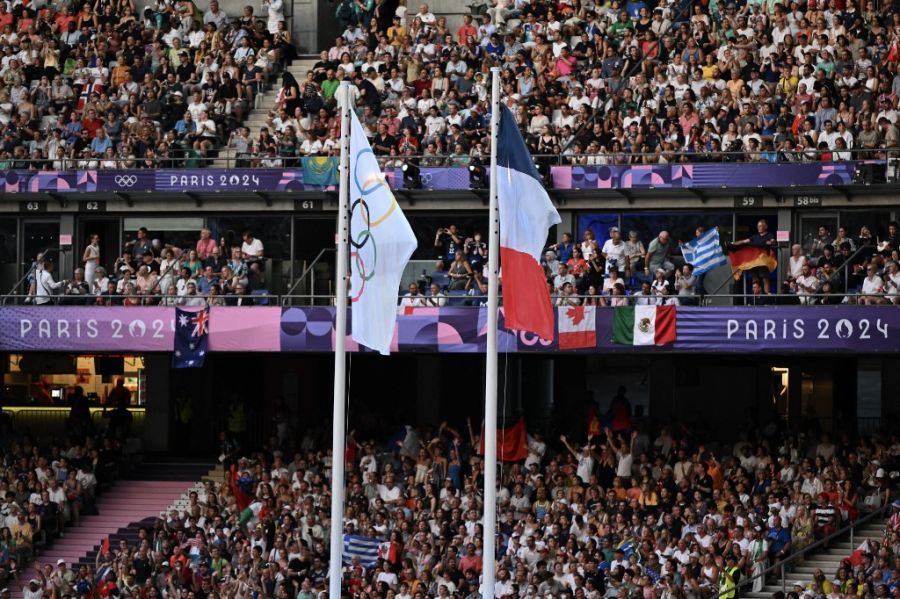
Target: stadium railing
point(783, 566)
point(226, 160)
point(454, 299)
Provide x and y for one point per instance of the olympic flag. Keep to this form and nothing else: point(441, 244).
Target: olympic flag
point(381, 243)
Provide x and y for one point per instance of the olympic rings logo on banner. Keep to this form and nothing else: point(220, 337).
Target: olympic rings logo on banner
point(125, 180)
point(365, 237)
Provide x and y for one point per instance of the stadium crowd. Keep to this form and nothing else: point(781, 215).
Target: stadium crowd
point(230, 271)
point(829, 268)
point(105, 85)
point(635, 510)
point(635, 82)
point(47, 484)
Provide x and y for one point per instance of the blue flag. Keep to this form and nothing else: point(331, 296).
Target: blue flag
point(320, 170)
point(365, 548)
point(191, 338)
point(705, 252)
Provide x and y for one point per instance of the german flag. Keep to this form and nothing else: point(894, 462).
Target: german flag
point(748, 257)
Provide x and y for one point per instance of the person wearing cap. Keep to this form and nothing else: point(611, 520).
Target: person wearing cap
point(729, 576)
point(757, 553)
point(34, 589)
point(63, 577)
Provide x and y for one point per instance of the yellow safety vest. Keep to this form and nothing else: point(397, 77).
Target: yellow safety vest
point(727, 587)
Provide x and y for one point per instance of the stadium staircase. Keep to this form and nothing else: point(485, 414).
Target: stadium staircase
point(828, 560)
point(258, 117)
point(130, 504)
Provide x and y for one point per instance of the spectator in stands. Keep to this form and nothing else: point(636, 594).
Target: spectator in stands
point(872, 287)
point(412, 298)
point(762, 238)
point(805, 285)
point(658, 256)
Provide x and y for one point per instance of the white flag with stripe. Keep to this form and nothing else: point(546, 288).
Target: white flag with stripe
point(381, 243)
point(365, 548)
point(705, 252)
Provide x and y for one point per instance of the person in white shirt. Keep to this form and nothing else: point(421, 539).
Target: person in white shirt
point(436, 298)
point(44, 284)
point(197, 106)
point(585, 460)
point(390, 493)
point(645, 297)
point(275, 10)
point(872, 287)
point(811, 486)
point(386, 576)
point(251, 248)
point(578, 100)
point(503, 586)
point(797, 260)
point(412, 299)
point(435, 124)
point(426, 16)
point(807, 284)
point(190, 297)
point(828, 134)
point(613, 249)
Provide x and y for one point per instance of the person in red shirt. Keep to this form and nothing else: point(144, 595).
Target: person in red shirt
point(422, 83)
point(467, 29)
point(205, 244)
point(470, 559)
point(6, 17)
point(91, 123)
point(64, 18)
point(108, 587)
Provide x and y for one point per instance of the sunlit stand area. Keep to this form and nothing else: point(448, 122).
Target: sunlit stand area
point(41, 390)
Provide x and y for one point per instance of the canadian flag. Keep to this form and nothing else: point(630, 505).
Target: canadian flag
point(577, 327)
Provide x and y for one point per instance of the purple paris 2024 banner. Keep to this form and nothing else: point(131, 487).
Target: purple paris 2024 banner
point(82, 328)
point(771, 329)
point(463, 329)
point(658, 176)
point(132, 329)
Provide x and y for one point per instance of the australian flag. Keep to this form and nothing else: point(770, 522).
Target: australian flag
point(191, 338)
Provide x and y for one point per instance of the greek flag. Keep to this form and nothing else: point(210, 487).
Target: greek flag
point(365, 548)
point(705, 252)
point(628, 548)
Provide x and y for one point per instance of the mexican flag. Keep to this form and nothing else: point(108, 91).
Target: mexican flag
point(644, 325)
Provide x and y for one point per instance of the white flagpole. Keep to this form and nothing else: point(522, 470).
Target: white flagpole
point(340, 351)
point(490, 383)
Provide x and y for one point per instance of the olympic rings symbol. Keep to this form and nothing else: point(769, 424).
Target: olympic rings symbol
point(372, 184)
point(125, 180)
point(364, 237)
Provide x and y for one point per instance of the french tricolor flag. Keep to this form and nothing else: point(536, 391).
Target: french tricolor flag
point(526, 215)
